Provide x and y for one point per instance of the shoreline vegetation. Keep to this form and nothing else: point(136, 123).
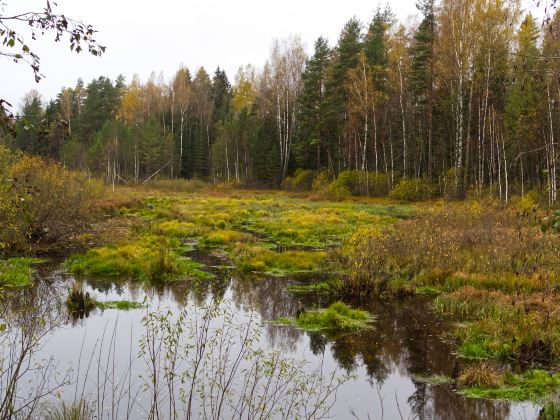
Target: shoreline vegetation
point(488, 266)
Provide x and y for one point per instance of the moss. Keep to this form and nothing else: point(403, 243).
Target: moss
point(475, 350)
point(533, 385)
point(17, 272)
point(284, 321)
point(149, 258)
point(337, 317)
point(121, 305)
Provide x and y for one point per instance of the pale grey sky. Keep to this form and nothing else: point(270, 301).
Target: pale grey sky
point(146, 35)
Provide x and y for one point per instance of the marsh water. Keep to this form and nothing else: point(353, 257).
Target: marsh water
point(386, 363)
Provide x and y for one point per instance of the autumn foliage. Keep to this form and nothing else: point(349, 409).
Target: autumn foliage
point(42, 204)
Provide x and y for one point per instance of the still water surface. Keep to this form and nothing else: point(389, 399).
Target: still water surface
point(386, 362)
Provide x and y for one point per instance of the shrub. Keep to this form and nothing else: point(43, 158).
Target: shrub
point(373, 184)
point(461, 244)
point(347, 182)
point(322, 181)
point(378, 184)
point(451, 183)
point(413, 189)
point(301, 181)
point(42, 204)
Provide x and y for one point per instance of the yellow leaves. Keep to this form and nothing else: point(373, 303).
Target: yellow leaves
point(41, 203)
point(244, 92)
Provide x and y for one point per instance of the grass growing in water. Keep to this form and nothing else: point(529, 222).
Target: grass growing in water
point(79, 410)
point(121, 305)
point(322, 287)
point(500, 325)
point(17, 272)
point(79, 301)
point(338, 317)
point(533, 385)
point(251, 258)
point(150, 258)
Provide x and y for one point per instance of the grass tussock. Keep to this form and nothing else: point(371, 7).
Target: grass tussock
point(79, 301)
point(338, 317)
point(79, 410)
point(481, 375)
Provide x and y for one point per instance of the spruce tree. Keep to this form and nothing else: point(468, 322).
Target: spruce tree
point(312, 133)
point(345, 58)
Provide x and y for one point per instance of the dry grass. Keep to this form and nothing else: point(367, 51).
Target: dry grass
point(482, 375)
point(453, 245)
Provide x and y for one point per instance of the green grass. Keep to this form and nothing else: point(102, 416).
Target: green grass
point(150, 258)
point(248, 226)
point(428, 291)
point(121, 305)
point(338, 317)
point(17, 272)
point(436, 380)
point(255, 258)
point(550, 410)
point(533, 385)
point(321, 287)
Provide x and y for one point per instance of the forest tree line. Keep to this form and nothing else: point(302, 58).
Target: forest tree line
point(468, 97)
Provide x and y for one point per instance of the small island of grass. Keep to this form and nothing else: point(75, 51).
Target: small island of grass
point(338, 317)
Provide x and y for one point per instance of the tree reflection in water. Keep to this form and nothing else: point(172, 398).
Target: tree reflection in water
point(404, 345)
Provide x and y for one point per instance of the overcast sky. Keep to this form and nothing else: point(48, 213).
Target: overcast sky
point(146, 35)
